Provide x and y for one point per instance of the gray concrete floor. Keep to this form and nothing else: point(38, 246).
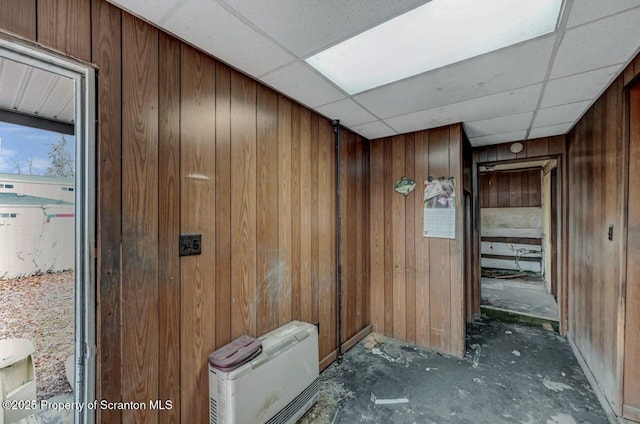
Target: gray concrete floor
point(510, 374)
point(527, 296)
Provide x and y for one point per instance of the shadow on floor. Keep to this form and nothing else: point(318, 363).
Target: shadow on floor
point(510, 374)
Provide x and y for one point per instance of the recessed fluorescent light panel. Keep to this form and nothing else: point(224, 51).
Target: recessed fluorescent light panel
point(431, 36)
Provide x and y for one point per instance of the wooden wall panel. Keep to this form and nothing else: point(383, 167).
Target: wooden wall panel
point(197, 215)
point(377, 245)
point(422, 270)
point(284, 209)
point(19, 17)
point(223, 205)
point(439, 259)
point(267, 232)
point(243, 205)
point(295, 211)
point(354, 235)
point(398, 234)
point(65, 25)
point(169, 226)
point(597, 195)
point(106, 51)
point(416, 278)
point(631, 394)
point(326, 240)
point(315, 218)
point(511, 189)
point(305, 166)
point(140, 216)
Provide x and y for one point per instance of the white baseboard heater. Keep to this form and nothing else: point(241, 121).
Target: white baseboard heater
point(276, 387)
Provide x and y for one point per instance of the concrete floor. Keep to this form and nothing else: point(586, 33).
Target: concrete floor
point(527, 296)
point(510, 374)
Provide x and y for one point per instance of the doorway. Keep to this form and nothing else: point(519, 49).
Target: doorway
point(518, 239)
point(47, 211)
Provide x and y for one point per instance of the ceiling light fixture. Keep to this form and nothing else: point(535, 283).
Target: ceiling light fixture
point(431, 36)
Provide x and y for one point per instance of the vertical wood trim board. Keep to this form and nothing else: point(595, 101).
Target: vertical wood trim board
point(169, 226)
point(197, 216)
point(140, 216)
point(417, 283)
point(106, 38)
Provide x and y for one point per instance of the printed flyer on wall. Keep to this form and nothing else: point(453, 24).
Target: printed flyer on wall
point(440, 208)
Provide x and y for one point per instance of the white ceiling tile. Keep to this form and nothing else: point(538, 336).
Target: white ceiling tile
point(495, 105)
point(209, 26)
point(502, 124)
point(560, 114)
point(152, 11)
point(348, 112)
point(302, 83)
point(606, 42)
point(584, 86)
point(373, 130)
point(498, 138)
point(509, 68)
point(550, 130)
point(305, 27)
point(584, 11)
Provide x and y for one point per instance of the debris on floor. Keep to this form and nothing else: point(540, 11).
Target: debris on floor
point(531, 389)
point(395, 401)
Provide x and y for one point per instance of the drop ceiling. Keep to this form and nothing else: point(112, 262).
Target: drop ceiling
point(537, 88)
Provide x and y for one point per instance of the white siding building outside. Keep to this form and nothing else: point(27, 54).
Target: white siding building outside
point(36, 225)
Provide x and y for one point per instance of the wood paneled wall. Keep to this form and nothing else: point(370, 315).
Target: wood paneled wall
point(511, 189)
point(598, 174)
point(188, 145)
point(631, 389)
point(417, 283)
point(354, 202)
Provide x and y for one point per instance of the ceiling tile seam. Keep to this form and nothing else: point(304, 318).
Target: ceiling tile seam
point(171, 11)
point(459, 63)
point(499, 117)
point(377, 118)
point(575, 102)
point(553, 125)
point(568, 6)
point(468, 100)
point(587, 71)
point(364, 29)
point(279, 68)
point(606, 87)
point(495, 135)
point(602, 18)
point(395, 132)
point(253, 26)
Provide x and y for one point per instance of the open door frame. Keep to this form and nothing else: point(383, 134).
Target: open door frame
point(559, 195)
point(85, 288)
